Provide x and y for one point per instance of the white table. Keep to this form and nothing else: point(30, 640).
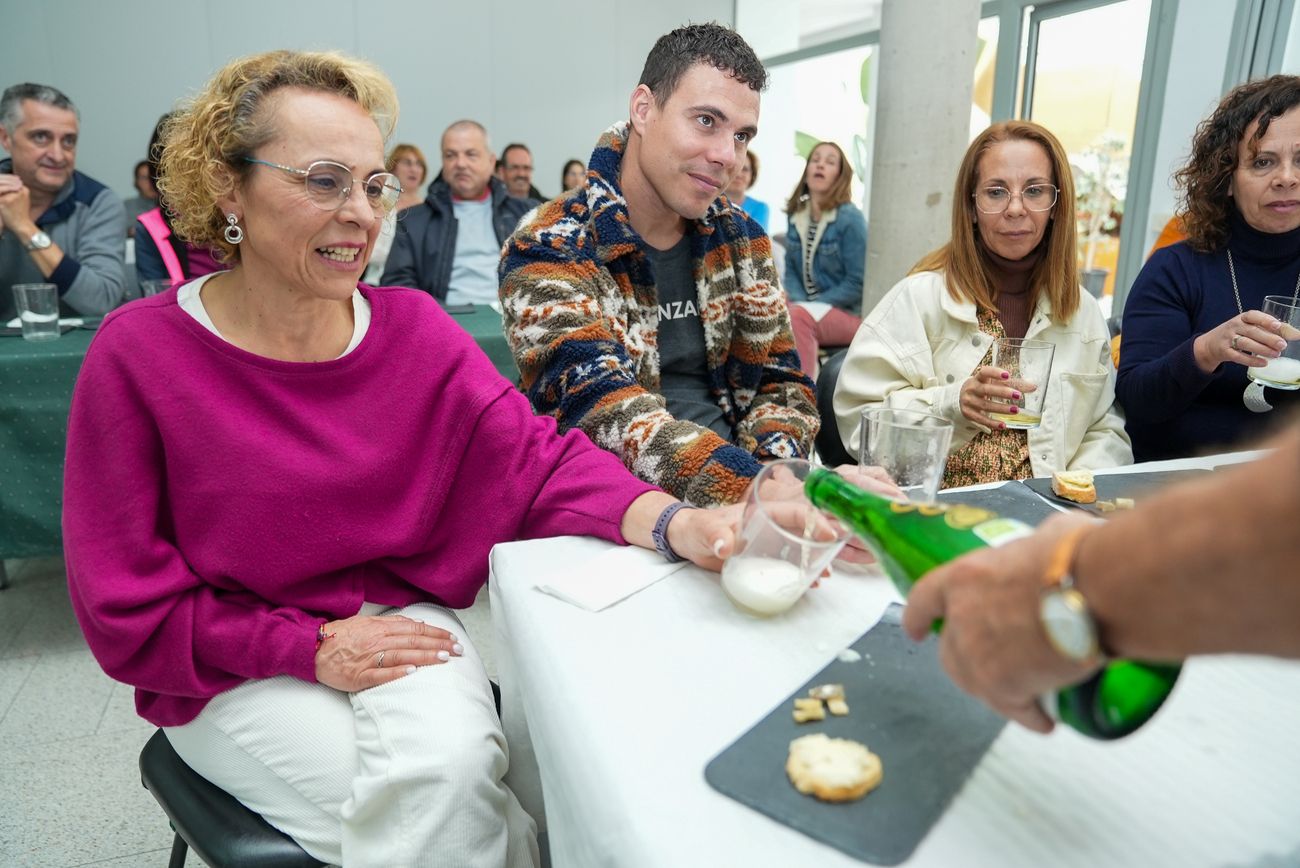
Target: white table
point(625, 707)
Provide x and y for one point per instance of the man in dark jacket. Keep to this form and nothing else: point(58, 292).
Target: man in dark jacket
point(450, 245)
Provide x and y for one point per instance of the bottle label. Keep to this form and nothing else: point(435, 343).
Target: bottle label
point(999, 531)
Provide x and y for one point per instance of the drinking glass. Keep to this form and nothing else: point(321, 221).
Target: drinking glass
point(1030, 365)
point(1284, 371)
point(784, 542)
point(38, 310)
point(911, 446)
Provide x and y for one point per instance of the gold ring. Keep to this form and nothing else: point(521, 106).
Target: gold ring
point(381, 659)
point(1235, 338)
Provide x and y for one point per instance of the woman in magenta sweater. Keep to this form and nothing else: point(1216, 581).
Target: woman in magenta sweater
point(280, 486)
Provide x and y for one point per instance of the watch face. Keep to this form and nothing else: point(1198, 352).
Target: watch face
point(1069, 626)
point(39, 241)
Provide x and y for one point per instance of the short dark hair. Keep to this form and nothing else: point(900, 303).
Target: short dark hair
point(11, 112)
point(1207, 176)
point(510, 147)
point(718, 46)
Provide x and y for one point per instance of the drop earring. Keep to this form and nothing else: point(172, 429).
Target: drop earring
point(234, 232)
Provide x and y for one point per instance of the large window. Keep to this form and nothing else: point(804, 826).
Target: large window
point(1083, 68)
point(828, 97)
point(1089, 99)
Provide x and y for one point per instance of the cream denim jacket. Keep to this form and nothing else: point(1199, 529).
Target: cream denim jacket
point(918, 346)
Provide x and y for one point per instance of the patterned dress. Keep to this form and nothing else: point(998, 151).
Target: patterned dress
point(991, 456)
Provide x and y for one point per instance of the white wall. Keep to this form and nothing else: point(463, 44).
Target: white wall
point(552, 75)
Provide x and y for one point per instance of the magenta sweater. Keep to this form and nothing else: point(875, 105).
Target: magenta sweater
point(219, 506)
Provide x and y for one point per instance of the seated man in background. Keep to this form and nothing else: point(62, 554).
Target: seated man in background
point(515, 168)
point(643, 308)
point(56, 225)
point(449, 246)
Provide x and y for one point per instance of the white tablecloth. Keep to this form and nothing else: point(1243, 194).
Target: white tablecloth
point(626, 706)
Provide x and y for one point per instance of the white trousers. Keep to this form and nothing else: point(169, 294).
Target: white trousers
point(405, 774)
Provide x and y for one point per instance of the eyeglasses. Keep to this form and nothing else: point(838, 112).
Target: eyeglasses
point(1035, 197)
point(329, 185)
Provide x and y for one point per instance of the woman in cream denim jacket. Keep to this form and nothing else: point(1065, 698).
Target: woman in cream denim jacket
point(926, 346)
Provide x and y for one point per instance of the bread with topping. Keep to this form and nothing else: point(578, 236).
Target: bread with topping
point(1074, 485)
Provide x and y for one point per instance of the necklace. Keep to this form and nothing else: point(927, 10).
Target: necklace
point(1232, 272)
point(1253, 397)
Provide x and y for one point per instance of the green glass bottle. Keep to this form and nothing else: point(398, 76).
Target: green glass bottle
point(910, 539)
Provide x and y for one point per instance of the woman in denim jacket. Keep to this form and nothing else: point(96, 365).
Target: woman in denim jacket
point(826, 256)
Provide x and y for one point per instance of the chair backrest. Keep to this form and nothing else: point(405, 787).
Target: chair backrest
point(828, 443)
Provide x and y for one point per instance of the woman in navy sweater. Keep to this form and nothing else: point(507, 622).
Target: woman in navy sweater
point(1192, 323)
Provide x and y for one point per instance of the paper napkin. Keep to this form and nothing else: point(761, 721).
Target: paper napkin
point(614, 574)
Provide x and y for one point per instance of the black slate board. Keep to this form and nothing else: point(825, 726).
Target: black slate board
point(1113, 485)
point(928, 734)
point(1010, 499)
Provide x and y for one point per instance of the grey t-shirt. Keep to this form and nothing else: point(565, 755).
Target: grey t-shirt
point(683, 363)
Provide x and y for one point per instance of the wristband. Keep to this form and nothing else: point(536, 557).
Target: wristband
point(660, 531)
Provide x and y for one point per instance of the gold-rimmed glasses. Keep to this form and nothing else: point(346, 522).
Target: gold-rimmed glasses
point(329, 185)
point(1035, 197)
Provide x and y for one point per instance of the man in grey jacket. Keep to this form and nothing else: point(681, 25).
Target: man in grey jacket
point(450, 245)
point(56, 225)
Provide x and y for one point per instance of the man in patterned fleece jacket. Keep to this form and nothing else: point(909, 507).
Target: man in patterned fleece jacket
point(643, 307)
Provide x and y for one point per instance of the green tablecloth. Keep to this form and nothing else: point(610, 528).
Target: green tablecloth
point(36, 380)
point(484, 325)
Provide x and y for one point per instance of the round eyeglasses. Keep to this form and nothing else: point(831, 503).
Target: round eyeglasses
point(1035, 197)
point(329, 185)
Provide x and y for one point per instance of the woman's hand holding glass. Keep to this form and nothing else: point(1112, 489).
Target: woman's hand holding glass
point(1250, 338)
point(369, 650)
point(784, 485)
point(705, 537)
point(989, 391)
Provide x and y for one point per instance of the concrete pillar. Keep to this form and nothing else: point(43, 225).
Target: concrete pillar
point(922, 123)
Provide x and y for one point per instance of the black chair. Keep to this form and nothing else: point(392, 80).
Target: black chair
point(211, 821)
point(828, 443)
point(223, 832)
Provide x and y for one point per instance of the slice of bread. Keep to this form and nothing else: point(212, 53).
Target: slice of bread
point(1075, 485)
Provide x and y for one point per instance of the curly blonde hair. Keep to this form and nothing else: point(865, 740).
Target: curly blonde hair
point(204, 143)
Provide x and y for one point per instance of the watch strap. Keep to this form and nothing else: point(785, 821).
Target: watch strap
point(659, 533)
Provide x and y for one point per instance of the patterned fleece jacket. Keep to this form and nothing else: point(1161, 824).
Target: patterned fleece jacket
point(582, 318)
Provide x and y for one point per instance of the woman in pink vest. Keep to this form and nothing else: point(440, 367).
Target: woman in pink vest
point(159, 254)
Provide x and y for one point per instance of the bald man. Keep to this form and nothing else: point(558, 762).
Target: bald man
point(450, 245)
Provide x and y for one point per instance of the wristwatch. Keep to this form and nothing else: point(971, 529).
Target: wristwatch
point(659, 533)
point(1062, 609)
point(39, 241)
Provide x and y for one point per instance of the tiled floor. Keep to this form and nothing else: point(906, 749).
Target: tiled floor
point(70, 789)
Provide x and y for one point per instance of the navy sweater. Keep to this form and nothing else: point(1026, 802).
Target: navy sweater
point(1173, 408)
